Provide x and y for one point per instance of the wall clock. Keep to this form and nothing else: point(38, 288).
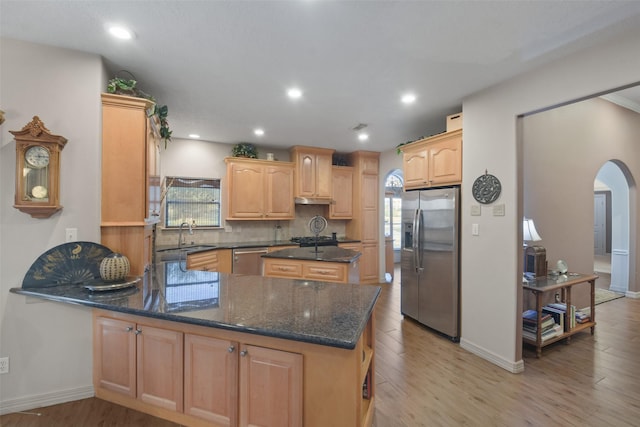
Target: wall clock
point(486, 189)
point(38, 169)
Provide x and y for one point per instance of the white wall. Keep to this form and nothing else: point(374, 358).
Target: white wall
point(491, 291)
point(49, 344)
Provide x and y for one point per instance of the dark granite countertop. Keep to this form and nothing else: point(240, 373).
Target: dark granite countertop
point(324, 253)
point(196, 247)
point(315, 312)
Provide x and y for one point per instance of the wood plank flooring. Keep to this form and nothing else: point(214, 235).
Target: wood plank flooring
point(423, 379)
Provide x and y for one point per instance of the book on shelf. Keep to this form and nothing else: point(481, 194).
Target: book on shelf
point(531, 317)
point(547, 324)
point(563, 308)
point(554, 331)
point(558, 315)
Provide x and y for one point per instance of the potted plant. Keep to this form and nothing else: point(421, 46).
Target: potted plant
point(245, 149)
point(122, 86)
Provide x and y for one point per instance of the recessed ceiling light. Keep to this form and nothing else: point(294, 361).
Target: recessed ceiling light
point(258, 132)
point(408, 98)
point(294, 93)
point(120, 32)
point(363, 136)
point(194, 135)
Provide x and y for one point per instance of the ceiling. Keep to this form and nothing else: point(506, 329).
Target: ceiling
point(223, 67)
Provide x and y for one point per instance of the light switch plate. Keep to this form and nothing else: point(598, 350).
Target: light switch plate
point(476, 210)
point(498, 210)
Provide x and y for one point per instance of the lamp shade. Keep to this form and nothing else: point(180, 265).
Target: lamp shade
point(529, 232)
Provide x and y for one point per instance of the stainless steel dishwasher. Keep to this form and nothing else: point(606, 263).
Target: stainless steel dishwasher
point(248, 261)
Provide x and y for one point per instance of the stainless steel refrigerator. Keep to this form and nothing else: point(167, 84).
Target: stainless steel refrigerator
point(430, 285)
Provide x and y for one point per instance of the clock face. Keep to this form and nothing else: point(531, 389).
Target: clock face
point(39, 192)
point(486, 189)
point(37, 157)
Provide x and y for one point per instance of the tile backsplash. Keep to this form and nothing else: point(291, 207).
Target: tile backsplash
point(256, 231)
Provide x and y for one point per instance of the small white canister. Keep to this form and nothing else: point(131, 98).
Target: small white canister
point(114, 267)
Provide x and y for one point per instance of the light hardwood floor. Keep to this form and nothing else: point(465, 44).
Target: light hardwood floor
point(424, 379)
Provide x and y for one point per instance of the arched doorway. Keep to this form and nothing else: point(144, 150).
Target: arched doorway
point(393, 185)
point(612, 224)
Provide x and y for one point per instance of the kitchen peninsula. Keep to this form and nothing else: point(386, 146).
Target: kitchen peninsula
point(192, 346)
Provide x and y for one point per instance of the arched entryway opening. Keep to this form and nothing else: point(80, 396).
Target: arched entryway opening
point(613, 228)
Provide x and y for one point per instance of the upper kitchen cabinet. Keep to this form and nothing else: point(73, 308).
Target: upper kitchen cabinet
point(130, 178)
point(341, 193)
point(433, 161)
point(313, 172)
point(259, 189)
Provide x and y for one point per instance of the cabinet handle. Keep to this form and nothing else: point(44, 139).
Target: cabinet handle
point(231, 349)
point(129, 328)
point(138, 331)
point(243, 353)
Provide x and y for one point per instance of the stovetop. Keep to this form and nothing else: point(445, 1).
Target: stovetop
point(306, 241)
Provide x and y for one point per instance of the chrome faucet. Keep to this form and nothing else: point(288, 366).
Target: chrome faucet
point(180, 236)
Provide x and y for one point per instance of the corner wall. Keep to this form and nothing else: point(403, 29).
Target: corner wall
point(491, 262)
point(49, 344)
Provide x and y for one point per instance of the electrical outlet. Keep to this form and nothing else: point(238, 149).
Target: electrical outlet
point(4, 365)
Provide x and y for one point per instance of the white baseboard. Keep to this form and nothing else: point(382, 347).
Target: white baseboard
point(632, 294)
point(46, 399)
point(513, 367)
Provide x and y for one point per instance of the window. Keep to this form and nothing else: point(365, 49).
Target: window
point(192, 199)
point(393, 208)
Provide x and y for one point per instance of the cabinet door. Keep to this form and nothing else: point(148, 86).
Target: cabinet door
point(445, 161)
point(270, 387)
point(369, 212)
point(274, 267)
point(341, 193)
point(369, 263)
point(279, 190)
point(306, 166)
point(114, 356)
point(211, 379)
point(415, 168)
point(246, 191)
point(323, 175)
point(159, 366)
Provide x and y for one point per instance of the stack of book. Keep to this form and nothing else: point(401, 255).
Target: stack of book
point(548, 326)
point(559, 308)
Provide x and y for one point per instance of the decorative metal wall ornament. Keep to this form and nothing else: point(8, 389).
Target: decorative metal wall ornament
point(486, 188)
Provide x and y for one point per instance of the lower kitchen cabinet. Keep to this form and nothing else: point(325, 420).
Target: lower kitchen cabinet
point(214, 260)
point(194, 379)
point(270, 387)
point(139, 361)
point(324, 271)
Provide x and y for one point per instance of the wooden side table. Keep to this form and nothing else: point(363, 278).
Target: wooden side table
point(564, 283)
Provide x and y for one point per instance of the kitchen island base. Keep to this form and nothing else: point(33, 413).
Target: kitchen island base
point(203, 376)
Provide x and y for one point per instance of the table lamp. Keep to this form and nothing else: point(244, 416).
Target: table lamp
point(535, 257)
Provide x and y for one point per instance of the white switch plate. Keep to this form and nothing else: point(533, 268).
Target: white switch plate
point(4, 365)
point(498, 210)
point(476, 210)
point(475, 229)
point(70, 234)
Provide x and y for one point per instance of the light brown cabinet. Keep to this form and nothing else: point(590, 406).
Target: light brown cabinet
point(130, 178)
point(365, 223)
point(433, 161)
point(139, 361)
point(324, 271)
point(270, 387)
point(313, 171)
point(193, 378)
point(259, 190)
point(214, 260)
point(341, 193)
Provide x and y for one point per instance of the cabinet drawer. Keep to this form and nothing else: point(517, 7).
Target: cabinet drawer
point(324, 271)
point(216, 260)
point(278, 268)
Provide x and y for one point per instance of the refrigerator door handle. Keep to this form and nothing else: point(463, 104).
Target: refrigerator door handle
point(414, 243)
point(418, 249)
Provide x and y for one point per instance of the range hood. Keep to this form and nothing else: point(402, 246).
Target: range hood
point(312, 201)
